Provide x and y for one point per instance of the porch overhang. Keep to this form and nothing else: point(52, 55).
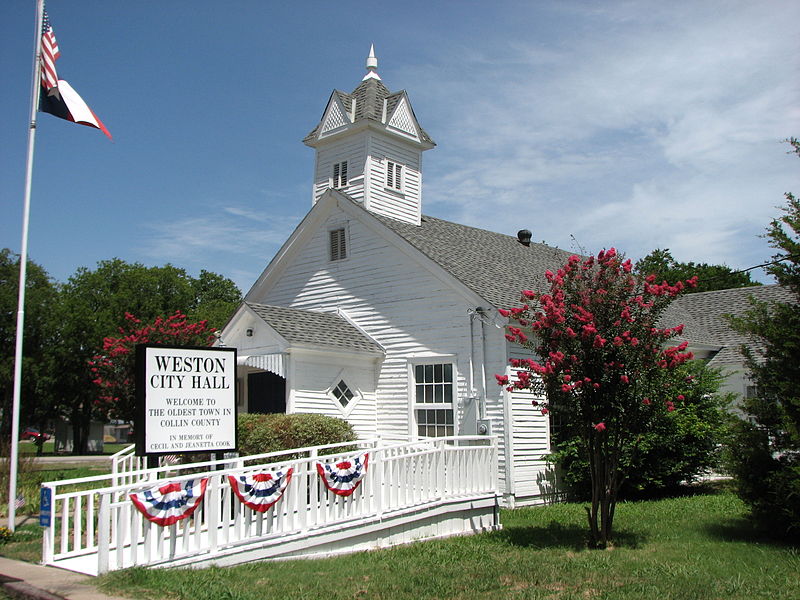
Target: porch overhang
point(274, 363)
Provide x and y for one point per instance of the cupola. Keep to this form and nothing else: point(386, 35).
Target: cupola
point(369, 146)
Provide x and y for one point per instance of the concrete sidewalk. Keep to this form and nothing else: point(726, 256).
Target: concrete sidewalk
point(21, 579)
point(25, 580)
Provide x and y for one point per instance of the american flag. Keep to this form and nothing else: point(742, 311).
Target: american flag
point(19, 502)
point(50, 54)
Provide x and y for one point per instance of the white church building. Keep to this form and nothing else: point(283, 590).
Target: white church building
point(380, 315)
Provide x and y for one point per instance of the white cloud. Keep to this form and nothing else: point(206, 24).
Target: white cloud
point(644, 125)
point(224, 241)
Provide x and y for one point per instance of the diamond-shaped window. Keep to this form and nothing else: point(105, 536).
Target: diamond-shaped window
point(342, 393)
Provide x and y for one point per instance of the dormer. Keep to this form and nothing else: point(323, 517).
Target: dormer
point(369, 145)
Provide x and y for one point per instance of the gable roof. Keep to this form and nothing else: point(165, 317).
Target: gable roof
point(709, 309)
point(495, 266)
point(316, 329)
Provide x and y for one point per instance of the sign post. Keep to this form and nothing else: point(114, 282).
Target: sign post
point(45, 506)
point(185, 400)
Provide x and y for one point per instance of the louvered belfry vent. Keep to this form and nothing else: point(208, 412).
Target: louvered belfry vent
point(340, 174)
point(338, 244)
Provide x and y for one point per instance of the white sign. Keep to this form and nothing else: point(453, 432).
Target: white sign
point(186, 399)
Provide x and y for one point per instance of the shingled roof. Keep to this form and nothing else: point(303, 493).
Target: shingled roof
point(494, 265)
point(317, 329)
point(709, 310)
point(369, 97)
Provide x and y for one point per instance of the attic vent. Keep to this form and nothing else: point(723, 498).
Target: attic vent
point(338, 244)
point(524, 237)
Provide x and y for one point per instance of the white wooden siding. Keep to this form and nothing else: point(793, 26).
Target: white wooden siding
point(405, 206)
point(534, 477)
point(313, 379)
point(412, 313)
point(402, 306)
point(353, 150)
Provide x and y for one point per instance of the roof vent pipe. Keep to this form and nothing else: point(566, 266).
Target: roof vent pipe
point(524, 237)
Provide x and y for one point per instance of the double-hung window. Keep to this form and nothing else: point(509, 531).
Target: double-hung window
point(394, 175)
point(434, 399)
point(340, 174)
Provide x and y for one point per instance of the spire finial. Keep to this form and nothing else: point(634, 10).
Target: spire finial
point(372, 65)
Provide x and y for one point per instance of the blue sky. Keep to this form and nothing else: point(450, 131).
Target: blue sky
point(630, 124)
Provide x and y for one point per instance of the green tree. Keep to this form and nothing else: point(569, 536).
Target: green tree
point(765, 453)
point(92, 306)
point(709, 277)
point(678, 447)
point(215, 299)
point(37, 386)
point(597, 334)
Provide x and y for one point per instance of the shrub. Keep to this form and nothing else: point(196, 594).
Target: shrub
point(270, 433)
point(680, 445)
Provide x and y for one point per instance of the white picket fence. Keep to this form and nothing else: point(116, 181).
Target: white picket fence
point(423, 489)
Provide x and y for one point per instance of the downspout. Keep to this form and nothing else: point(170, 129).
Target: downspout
point(471, 383)
point(482, 400)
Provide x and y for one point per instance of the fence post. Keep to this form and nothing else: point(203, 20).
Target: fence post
point(212, 510)
point(104, 533)
point(377, 488)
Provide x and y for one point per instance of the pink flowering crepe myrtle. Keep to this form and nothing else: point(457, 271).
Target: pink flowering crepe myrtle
point(575, 324)
point(600, 350)
point(112, 369)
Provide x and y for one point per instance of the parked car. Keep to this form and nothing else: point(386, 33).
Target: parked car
point(33, 434)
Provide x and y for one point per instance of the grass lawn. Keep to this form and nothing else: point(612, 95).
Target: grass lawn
point(32, 475)
point(695, 547)
point(27, 448)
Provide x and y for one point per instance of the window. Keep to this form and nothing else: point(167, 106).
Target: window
point(433, 399)
point(338, 244)
point(394, 175)
point(340, 174)
point(342, 394)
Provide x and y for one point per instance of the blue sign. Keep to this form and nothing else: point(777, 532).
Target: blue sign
point(45, 506)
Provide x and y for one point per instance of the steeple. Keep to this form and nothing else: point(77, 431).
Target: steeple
point(369, 145)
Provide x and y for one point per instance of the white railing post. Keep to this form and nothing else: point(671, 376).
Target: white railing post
point(212, 512)
point(103, 533)
point(377, 478)
point(313, 489)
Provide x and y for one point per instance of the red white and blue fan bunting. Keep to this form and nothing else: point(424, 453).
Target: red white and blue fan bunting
point(259, 491)
point(169, 503)
point(343, 477)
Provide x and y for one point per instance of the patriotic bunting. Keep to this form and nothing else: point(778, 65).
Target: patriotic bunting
point(259, 491)
point(344, 477)
point(169, 503)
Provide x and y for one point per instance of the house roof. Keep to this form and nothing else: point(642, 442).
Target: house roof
point(369, 97)
point(494, 265)
point(317, 329)
point(709, 309)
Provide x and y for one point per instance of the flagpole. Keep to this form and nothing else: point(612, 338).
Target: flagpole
point(23, 271)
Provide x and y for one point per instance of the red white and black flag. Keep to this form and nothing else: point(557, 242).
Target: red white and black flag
point(58, 97)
